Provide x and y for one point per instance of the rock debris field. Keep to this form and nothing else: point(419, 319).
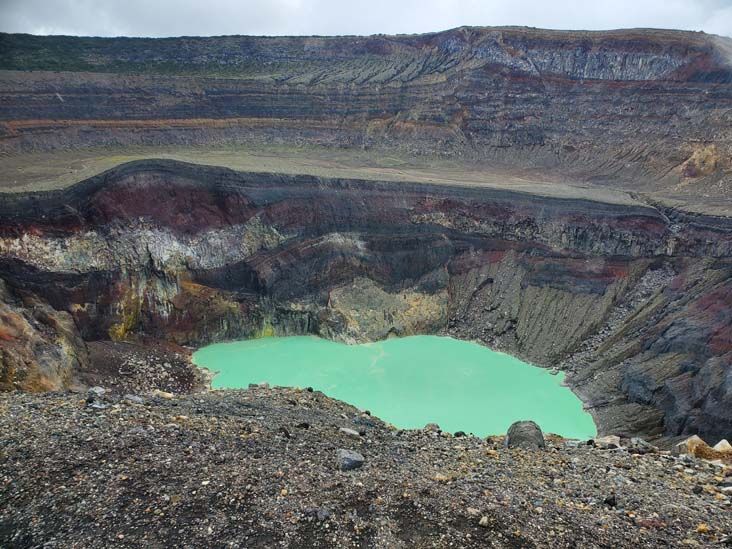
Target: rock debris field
point(293, 468)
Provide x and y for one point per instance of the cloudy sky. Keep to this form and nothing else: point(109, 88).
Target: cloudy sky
point(329, 17)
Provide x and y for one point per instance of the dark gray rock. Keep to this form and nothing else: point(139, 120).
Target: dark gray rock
point(347, 460)
point(639, 446)
point(525, 434)
point(319, 513)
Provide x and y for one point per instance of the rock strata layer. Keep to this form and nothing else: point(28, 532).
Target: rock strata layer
point(632, 300)
point(643, 109)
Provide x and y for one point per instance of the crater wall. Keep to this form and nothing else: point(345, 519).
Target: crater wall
point(630, 299)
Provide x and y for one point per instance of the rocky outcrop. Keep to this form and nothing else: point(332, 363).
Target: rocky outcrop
point(40, 347)
point(632, 303)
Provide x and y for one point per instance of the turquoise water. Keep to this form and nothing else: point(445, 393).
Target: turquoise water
point(408, 382)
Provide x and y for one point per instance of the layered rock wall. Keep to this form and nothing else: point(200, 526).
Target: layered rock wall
point(643, 109)
point(633, 304)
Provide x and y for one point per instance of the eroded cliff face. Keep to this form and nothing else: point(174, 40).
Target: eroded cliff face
point(642, 109)
point(631, 300)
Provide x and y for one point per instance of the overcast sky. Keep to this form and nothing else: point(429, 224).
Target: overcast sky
point(329, 17)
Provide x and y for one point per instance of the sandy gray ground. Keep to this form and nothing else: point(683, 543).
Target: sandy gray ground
point(257, 468)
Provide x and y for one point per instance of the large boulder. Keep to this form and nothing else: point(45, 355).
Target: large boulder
point(526, 435)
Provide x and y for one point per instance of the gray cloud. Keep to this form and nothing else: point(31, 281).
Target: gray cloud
point(330, 17)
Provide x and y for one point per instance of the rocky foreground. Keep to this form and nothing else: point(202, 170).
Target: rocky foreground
point(266, 467)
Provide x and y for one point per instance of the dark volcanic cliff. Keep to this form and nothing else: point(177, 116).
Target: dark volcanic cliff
point(644, 109)
point(633, 301)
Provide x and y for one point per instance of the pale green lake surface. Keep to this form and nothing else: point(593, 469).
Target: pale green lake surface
point(409, 381)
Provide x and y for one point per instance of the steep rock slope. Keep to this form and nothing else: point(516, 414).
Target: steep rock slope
point(632, 300)
point(645, 109)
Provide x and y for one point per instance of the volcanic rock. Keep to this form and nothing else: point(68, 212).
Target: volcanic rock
point(347, 460)
point(526, 435)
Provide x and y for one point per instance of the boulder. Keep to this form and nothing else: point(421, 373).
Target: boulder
point(723, 446)
point(693, 446)
point(347, 460)
point(639, 446)
point(607, 442)
point(526, 435)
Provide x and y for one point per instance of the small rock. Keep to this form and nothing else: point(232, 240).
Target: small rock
point(697, 489)
point(483, 521)
point(525, 434)
point(321, 513)
point(639, 446)
point(133, 398)
point(348, 460)
point(349, 432)
point(162, 394)
point(432, 428)
point(611, 500)
point(96, 391)
point(459, 434)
